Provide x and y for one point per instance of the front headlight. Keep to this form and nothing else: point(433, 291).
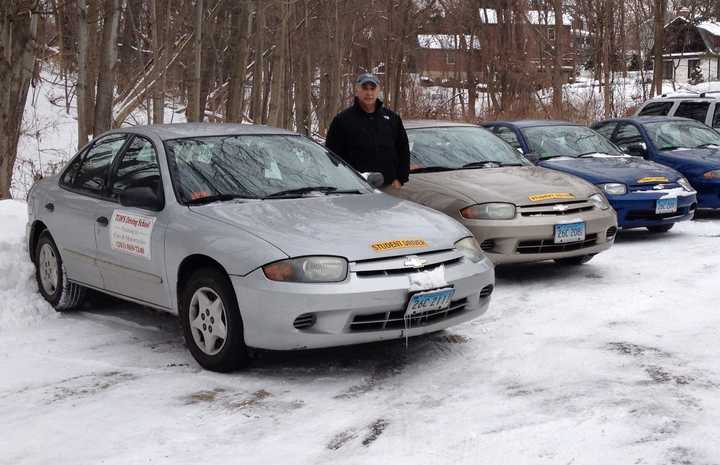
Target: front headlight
point(599, 201)
point(308, 270)
point(470, 248)
point(685, 184)
point(714, 174)
point(489, 211)
point(614, 188)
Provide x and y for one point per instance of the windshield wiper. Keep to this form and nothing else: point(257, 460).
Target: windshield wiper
point(483, 164)
point(594, 152)
point(548, 157)
point(300, 192)
point(430, 169)
point(669, 147)
point(704, 146)
point(217, 198)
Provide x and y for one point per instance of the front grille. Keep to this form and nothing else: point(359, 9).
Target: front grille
point(487, 244)
point(612, 230)
point(305, 321)
point(402, 271)
point(639, 215)
point(549, 246)
point(486, 291)
point(651, 186)
point(557, 209)
point(396, 319)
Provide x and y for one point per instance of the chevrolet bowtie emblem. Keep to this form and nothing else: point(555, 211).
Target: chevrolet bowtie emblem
point(414, 261)
point(560, 207)
point(659, 186)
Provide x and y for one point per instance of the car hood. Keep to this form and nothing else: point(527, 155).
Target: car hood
point(507, 184)
point(602, 169)
point(340, 225)
point(707, 159)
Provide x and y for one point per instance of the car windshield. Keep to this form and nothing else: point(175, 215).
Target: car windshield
point(458, 147)
point(256, 166)
point(567, 141)
point(668, 135)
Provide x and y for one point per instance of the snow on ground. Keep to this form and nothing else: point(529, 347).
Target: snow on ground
point(613, 362)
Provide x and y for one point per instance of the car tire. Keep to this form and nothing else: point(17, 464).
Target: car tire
point(574, 261)
point(660, 229)
point(213, 330)
point(51, 278)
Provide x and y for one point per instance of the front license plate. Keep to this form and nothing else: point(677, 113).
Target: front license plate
point(438, 299)
point(571, 232)
point(665, 206)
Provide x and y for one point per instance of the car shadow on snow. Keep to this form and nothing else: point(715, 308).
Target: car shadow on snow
point(629, 236)
point(540, 272)
point(706, 214)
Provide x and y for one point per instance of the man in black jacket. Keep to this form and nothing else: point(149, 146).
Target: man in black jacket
point(369, 137)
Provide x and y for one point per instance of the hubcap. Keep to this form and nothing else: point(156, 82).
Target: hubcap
point(48, 266)
point(208, 321)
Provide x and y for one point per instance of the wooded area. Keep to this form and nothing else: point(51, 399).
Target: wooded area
point(291, 63)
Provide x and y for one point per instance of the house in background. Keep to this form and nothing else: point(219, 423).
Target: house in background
point(443, 54)
point(691, 45)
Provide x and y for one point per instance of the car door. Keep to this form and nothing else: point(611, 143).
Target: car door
point(72, 215)
point(130, 240)
point(629, 139)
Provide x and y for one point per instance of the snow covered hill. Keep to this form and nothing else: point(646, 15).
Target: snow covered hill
point(613, 362)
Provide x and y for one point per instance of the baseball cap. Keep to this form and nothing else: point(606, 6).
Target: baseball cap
point(367, 78)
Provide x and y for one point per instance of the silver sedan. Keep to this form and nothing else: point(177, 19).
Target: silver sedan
point(255, 237)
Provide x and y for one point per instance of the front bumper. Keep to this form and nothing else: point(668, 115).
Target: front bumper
point(270, 309)
point(637, 209)
point(708, 193)
point(528, 239)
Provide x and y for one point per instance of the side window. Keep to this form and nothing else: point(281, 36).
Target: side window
point(68, 176)
point(508, 135)
point(716, 117)
point(695, 110)
point(93, 170)
point(627, 135)
point(606, 130)
point(138, 167)
point(656, 109)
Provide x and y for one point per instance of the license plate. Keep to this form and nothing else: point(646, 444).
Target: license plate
point(571, 232)
point(438, 299)
point(665, 206)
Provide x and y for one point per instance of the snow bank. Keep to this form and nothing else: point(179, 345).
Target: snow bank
point(20, 302)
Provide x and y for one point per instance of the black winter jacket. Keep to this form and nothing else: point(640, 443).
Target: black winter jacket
point(371, 141)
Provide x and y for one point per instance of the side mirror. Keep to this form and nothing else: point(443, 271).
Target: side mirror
point(533, 157)
point(141, 197)
point(637, 150)
point(375, 179)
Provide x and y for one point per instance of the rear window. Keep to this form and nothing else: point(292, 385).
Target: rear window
point(693, 110)
point(656, 109)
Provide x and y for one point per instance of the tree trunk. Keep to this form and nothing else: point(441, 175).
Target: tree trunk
point(158, 38)
point(18, 33)
point(659, 42)
point(558, 51)
point(194, 112)
point(239, 50)
point(83, 74)
point(256, 93)
point(107, 72)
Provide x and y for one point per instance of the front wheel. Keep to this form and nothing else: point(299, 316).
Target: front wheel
point(51, 277)
point(574, 261)
point(211, 321)
point(660, 229)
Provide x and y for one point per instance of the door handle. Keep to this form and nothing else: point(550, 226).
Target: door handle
point(50, 206)
point(102, 221)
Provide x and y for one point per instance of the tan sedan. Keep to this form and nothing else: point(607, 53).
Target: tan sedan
point(518, 212)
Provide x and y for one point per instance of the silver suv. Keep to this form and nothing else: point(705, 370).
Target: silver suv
point(703, 107)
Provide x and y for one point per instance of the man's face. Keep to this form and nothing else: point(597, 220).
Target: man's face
point(367, 93)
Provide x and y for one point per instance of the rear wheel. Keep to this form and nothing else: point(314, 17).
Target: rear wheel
point(211, 321)
point(661, 228)
point(51, 277)
point(574, 261)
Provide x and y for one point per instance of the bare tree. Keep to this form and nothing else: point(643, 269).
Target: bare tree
point(18, 34)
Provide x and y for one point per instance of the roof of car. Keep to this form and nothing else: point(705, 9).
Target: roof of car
point(183, 130)
point(528, 123)
point(647, 119)
point(434, 123)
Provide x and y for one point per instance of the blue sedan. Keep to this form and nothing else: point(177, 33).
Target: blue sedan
point(643, 193)
point(686, 145)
